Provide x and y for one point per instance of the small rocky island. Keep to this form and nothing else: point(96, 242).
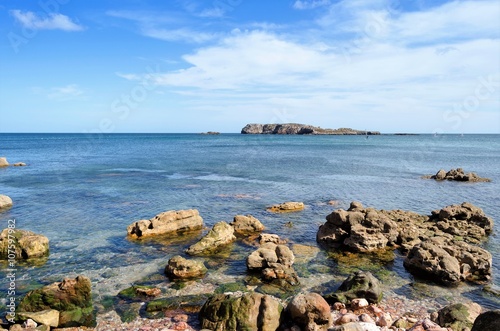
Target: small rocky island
point(457, 175)
point(294, 128)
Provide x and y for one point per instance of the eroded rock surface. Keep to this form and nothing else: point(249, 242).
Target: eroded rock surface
point(166, 223)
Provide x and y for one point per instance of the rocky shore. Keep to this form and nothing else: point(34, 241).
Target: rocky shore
point(295, 128)
point(442, 247)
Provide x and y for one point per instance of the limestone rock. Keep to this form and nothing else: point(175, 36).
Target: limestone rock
point(181, 268)
point(274, 262)
point(286, 207)
point(489, 320)
point(458, 316)
point(71, 297)
point(19, 164)
point(5, 202)
point(271, 238)
point(359, 285)
point(458, 175)
point(27, 244)
point(221, 234)
point(3, 162)
point(310, 311)
point(167, 222)
point(246, 225)
point(48, 317)
point(238, 311)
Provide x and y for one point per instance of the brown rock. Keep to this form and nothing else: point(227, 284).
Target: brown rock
point(19, 164)
point(181, 268)
point(221, 234)
point(286, 207)
point(310, 311)
point(5, 202)
point(246, 225)
point(3, 162)
point(274, 262)
point(28, 244)
point(167, 222)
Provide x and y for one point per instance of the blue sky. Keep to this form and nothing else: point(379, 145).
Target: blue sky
point(192, 66)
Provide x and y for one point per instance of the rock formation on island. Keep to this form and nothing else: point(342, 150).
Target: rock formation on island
point(295, 128)
point(166, 223)
point(457, 175)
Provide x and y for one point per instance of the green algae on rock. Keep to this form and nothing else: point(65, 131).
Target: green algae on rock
point(27, 244)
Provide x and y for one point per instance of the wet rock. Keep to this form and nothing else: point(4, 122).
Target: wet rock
point(238, 311)
point(271, 238)
point(3, 162)
point(5, 202)
point(355, 326)
point(27, 244)
point(274, 262)
point(246, 225)
point(359, 285)
point(448, 262)
point(489, 320)
point(290, 206)
point(458, 175)
point(427, 325)
point(187, 303)
point(181, 268)
point(458, 316)
point(48, 317)
point(304, 253)
point(138, 292)
point(71, 297)
point(359, 303)
point(221, 234)
point(167, 222)
point(19, 164)
point(310, 311)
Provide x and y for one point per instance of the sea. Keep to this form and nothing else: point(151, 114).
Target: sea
point(82, 191)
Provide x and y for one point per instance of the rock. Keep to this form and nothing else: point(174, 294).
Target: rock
point(304, 253)
point(448, 262)
point(148, 292)
point(359, 303)
point(181, 268)
point(294, 128)
point(19, 164)
point(310, 311)
point(355, 326)
point(5, 202)
point(274, 262)
point(271, 238)
point(489, 320)
point(248, 311)
point(285, 207)
point(359, 285)
point(48, 317)
point(27, 245)
point(71, 297)
point(3, 162)
point(458, 175)
point(166, 223)
point(427, 324)
point(221, 234)
point(29, 324)
point(246, 225)
point(458, 316)
point(347, 318)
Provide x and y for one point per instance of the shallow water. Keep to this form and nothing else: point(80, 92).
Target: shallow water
point(83, 191)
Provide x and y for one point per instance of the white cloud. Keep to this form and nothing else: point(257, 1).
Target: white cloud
point(54, 21)
point(310, 4)
point(68, 92)
point(183, 34)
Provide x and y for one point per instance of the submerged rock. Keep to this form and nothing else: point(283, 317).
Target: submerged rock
point(458, 316)
point(246, 225)
point(489, 320)
point(286, 207)
point(49, 317)
point(181, 268)
point(19, 164)
point(458, 175)
point(274, 262)
point(71, 297)
point(238, 311)
point(5, 202)
point(167, 222)
point(221, 234)
point(359, 285)
point(27, 244)
point(310, 311)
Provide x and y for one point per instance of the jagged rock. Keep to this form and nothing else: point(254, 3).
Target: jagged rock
point(489, 320)
point(3, 162)
point(27, 244)
point(246, 225)
point(286, 207)
point(271, 238)
point(449, 262)
point(274, 262)
point(221, 234)
point(359, 285)
point(458, 175)
point(310, 311)
point(238, 311)
point(5, 202)
point(458, 316)
point(48, 317)
point(167, 222)
point(295, 128)
point(181, 268)
point(71, 297)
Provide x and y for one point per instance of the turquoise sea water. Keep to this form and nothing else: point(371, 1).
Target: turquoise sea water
point(82, 191)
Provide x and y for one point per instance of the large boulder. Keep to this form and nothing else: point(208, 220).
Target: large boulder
point(287, 207)
point(27, 244)
point(310, 311)
point(458, 316)
point(167, 223)
point(359, 285)
point(71, 297)
point(221, 234)
point(246, 225)
point(449, 262)
point(181, 268)
point(5, 202)
point(274, 262)
point(238, 311)
point(3, 162)
point(489, 320)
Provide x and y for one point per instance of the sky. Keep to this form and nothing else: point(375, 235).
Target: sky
point(109, 66)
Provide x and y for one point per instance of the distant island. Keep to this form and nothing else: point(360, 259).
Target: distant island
point(294, 128)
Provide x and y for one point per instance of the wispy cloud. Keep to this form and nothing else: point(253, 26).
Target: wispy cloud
point(64, 93)
point(53, 21)
point(310, 4)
